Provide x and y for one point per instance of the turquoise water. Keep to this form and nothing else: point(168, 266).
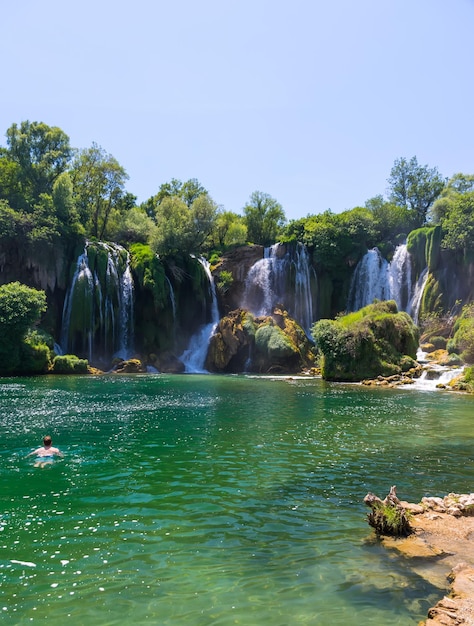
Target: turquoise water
point(205, 500)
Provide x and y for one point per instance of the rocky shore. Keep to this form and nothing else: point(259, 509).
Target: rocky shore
point(441, 549)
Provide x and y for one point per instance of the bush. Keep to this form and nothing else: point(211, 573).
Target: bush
point(438, 342)
point(69, 364)
point(463, 340)
point(377, 340)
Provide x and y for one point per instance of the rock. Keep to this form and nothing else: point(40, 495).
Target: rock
point(242, 342)
point(131, 366)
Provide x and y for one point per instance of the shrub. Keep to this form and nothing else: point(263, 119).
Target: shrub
point(438, 342)
point(377, 340)
point(69, 364)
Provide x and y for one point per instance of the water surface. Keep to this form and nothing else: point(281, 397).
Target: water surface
point(205, 500)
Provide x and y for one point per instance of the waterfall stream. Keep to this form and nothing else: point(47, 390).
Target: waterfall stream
point(376, 278)
point(194, 356)
point(283, 277)
point(97, 321)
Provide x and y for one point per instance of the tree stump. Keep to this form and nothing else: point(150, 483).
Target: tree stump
point(388, 516)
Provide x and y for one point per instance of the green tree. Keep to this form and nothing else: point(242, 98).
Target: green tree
point(188, 191)
point(98, 181)
point(42, 153)
point(229, 230)
point(454, 211)
point(182, 229)
point(415, 186)
point(264, 218)
point(20, 308)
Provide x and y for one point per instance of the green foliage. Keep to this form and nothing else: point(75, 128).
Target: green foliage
point(20, 308)
point(135, 227)
point(150, 272)
point(42, 153)
point(455, 212)
point(229, 230)
point(463, 340)
point(365, 344)
point(469, 376)
point(182, 229)
point(98, 181)
point(273, 343)
point(439, 343)
point(35, 356)
point(390, 520)
point(424, 246)
point(264, 218)
point(415, 187)
point(69, 364)
point(225, 281)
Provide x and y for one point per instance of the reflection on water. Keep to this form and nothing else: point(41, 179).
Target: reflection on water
point(204, 500)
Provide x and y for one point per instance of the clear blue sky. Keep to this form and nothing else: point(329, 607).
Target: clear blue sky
point(308, 101)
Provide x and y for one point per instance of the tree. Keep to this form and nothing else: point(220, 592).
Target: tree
point(454, 211)
point(188, 192)
point(264, 218)
point(415, 187)
point(98, 181)
point(229, 230)
point(42, 152)
point(391, 222)
point(183, 229)
point(20, 308)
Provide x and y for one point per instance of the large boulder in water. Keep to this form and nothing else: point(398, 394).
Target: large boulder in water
point(375, 341)
point(244, 343)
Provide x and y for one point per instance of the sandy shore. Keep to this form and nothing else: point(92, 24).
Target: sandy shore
point(442, 551)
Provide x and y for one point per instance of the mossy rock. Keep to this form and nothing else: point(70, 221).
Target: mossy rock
point(375, 341)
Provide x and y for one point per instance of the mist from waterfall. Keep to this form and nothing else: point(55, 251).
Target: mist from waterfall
point(194, 357)
point(283, 277)
point(377, 279)
point(98, 315)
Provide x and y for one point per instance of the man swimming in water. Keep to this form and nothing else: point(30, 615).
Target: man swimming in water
point(46, 453)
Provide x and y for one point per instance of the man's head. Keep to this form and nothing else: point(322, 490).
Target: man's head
point(47, 441)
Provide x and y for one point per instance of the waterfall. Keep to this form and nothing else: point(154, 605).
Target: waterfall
point(415, 302)
point(399, 277)
point(375, 278)
point(98, 316)
point(194, 356)
point(283, 277)
point(370, 281)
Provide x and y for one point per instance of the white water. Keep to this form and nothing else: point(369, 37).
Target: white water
point(415, 302)
point(281, 278)
point(194, 356)
point(370, 281)
point(377, 279)
point(108, 308)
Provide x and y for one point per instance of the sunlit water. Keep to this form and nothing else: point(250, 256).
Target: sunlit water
point(204, 500)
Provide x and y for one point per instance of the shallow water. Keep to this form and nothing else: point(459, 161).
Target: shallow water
point(201, 500)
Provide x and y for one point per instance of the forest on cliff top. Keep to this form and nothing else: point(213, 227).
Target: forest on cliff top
point(50, 190)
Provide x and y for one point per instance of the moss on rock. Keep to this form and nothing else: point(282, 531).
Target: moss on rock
point(375, 341)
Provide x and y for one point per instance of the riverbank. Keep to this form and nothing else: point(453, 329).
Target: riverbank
point(441, 550)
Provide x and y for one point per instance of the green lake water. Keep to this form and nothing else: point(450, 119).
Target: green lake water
point(203, 500)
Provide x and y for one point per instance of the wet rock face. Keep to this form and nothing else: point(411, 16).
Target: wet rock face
point(266, 344)
point(238, 262)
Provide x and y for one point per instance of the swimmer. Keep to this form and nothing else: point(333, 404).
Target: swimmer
point(46, 453)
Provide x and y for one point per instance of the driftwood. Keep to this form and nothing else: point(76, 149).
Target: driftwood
point(388, 516)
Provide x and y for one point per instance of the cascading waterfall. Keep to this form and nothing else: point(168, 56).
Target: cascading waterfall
point(370, 281)
point(399, 277)
point(98, 309)
point(376, 278)
point(415, 302)
point(194, 356)
point(283, 277)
